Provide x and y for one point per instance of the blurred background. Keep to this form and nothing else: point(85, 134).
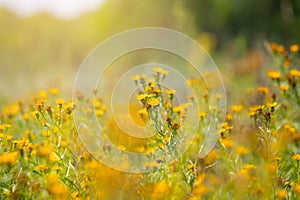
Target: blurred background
point(43, 43)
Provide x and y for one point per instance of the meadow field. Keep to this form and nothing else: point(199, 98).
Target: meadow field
point(44, 154)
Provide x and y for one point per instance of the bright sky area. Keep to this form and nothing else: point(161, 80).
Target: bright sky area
point(59, 8)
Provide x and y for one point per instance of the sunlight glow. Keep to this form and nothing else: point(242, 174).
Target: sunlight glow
point(58, 8)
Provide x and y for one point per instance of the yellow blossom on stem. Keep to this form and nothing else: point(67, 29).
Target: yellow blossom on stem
point(153, 102)
point(4, 126)
point(295, 72)
point(264, 90)
point(135, 77)
point(284, 87)
point(296, 157)
point(294, 48)
point(296, 189)
point(161, 189)
point(241, 150)
point(141, 97)
point(281, 194)
point(43, 94)
point(60, 102)
point(227, 143)
point(177, 109)
point(274, 74)
point(41, 167)
point(10, 158)
point(202, 114)
point(143, 112)
point(171, 92)
point(53, 91)
point(272, 104)
point(237, 108)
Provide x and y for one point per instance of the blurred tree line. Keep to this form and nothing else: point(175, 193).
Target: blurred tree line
point(274, 20)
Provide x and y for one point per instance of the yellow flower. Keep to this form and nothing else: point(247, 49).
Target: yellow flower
point(44, 150)
point(11, 110)
point(221, 131)
point(63, 143)
point(43, 94)
point(218, 96)
point(294, 48)
point(281, 194)
point(171, 92)
point(143, 76)
point(153, 102)
point(55, 187)
point(156, 91)
point(53, 91)
point(284, 87)
point(143, 112)
point(135, 77)
point(9, 158)
point(295, 72)
point(264, 90)
point(25, 116)
point(157, 69)
point(41, 167)
point(192, 166)
point(229, 117)
point(4, 126)
point(237, 108)
point(297, 189)
point(227, 143)
point(177, 109)
point(60, 102)
point(274, 74)
point(202, 114)
point(249, 166)
point(289, 128)
point(241, 150)
point(199, 189)
point(151, 81)
point(141, 97)
point(122, 148)
point(276, 48)
point(272, 105)
point(161, 189)
point(99, 113)
point(296, 157)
